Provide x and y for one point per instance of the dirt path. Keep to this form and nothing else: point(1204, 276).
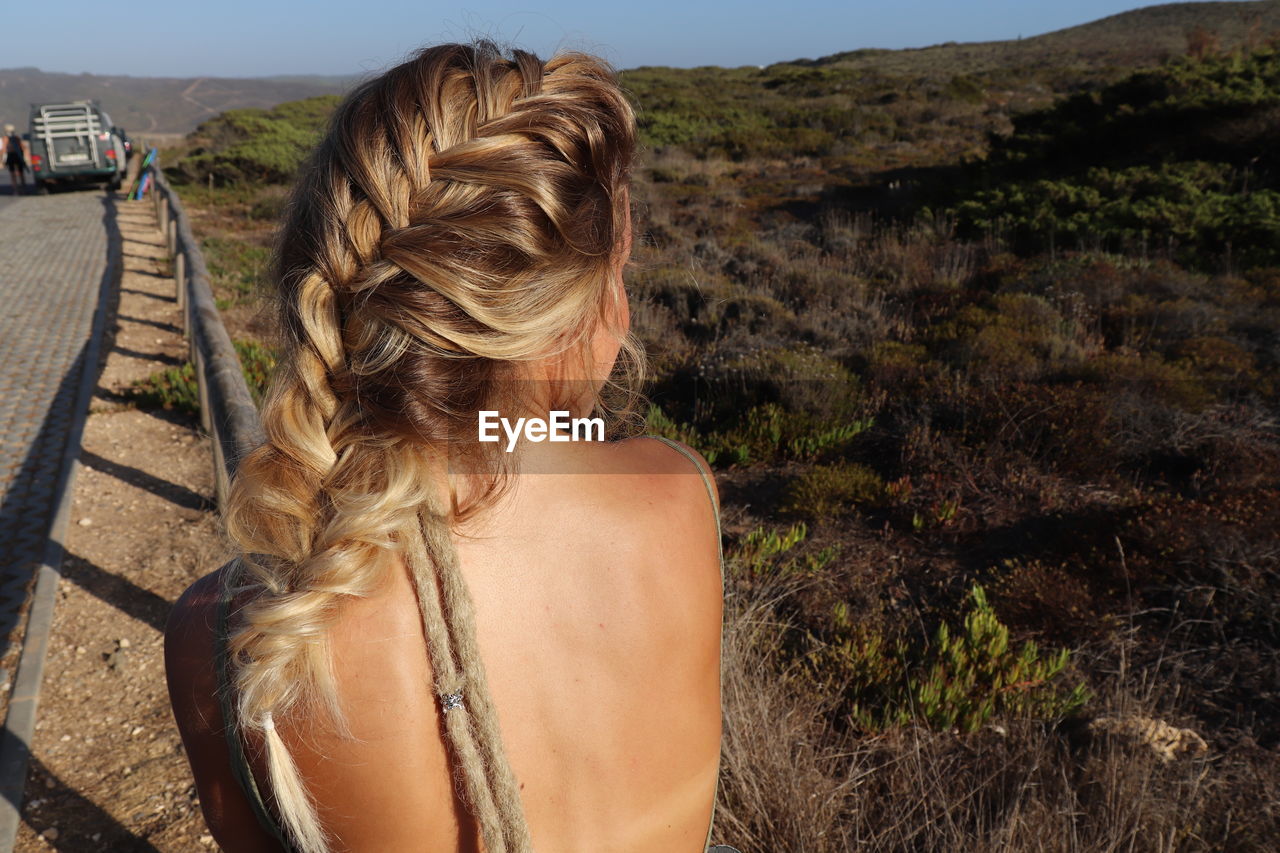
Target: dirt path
point(108, 772)
point(186, 96)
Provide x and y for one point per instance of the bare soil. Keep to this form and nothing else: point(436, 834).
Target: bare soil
point(108, 771)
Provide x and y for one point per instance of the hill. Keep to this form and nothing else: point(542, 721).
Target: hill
point(1139, 37)
point(867, 111)
point(1020, 73)
point(155, 105)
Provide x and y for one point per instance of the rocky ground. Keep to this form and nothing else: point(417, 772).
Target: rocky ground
point(108, 772)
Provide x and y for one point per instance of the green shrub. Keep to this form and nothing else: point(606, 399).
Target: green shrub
point(767, 552)
point(175, 388)
point(960, 680)
point(1015, 335)
point(764, 405)
point(771, 433)
point(236, 266)
point(1196, 208)
point(766, 433)
point(257, 363)
point(658, 423)
point(894, 364)
point(1178, 159)
point(820, 441)
point(268, 204)
point(759, 548)
point(255, 145)
point(1148, 375)
point(964, 88)
point(826, 490)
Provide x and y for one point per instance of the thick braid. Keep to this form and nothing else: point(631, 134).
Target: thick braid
point(284, 657)
point(281, 650)
point(461, 217)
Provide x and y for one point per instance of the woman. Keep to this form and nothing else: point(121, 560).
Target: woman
point(429, 643)
point(15, 159)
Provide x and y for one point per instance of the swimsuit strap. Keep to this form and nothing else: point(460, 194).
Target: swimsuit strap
point(715, 507)
point(239, 762)
point(706, 481)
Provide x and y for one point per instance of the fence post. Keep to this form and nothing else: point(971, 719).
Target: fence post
point(180, 287)
point(163, 222)
point(202, 387)
point(171, 238)
point(188, 320)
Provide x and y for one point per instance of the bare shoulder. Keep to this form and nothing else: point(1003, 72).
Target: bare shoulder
point(672, 480)
point(660, 458)
point(189, 646)
point(190, 649)
point(678, 560)
point(671, 504)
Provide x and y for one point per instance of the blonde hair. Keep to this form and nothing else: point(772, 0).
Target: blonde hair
point(462, 215)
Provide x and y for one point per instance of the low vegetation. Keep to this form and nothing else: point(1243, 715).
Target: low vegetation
point(995, 417)
point(254, 145)
point(175, 388)
point(1177, 163)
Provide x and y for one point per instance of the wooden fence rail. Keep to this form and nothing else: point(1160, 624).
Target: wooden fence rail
point(227, 410)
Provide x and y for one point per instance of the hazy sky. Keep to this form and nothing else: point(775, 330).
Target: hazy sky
point(244, 39)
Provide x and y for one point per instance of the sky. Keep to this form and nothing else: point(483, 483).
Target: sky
point(235, 38)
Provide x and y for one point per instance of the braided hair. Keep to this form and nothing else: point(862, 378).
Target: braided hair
point(462, 215)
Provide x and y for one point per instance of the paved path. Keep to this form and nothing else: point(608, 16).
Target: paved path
point(53, 257)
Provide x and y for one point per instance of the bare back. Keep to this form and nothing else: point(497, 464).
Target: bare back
point(598, 611)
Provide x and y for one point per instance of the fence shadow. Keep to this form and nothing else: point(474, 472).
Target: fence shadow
point(27, 509)
point(78, 819)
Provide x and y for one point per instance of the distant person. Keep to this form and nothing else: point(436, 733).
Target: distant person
point(428, 643)
point(15, 159)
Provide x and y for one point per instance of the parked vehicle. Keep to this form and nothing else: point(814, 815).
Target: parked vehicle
point(75, 143)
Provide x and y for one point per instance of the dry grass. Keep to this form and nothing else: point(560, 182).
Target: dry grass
point(786, 781)
point(792, 782)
